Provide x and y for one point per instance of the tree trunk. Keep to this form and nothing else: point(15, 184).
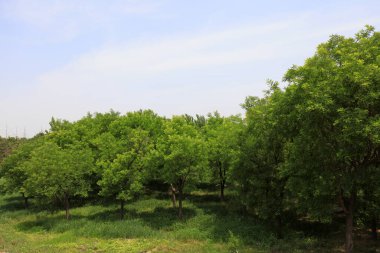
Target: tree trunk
point(121, 209)
point(180, 214)
point(374, 228)
point(279, 227)
point(26, 203)
point(172, 195)
point(67, 207)
point(349, 245)
point(222, 185)
point(222, 179)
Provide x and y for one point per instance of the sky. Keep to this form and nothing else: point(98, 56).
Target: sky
point(63, 59)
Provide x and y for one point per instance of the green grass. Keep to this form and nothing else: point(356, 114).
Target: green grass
point(150, 225)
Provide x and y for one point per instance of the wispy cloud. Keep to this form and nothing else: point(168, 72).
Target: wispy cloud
point(124, 65)
point(46, 13)
point(63, 20)
point(193, 71)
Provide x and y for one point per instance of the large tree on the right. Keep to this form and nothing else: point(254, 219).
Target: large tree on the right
point(333, 116)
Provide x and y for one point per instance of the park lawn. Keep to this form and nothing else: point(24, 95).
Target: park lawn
point(150, 225)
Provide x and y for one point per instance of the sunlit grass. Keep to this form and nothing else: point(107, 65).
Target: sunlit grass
point(150, 225)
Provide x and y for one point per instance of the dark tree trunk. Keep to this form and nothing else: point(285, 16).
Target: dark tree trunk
point(222, 185)
point(349, 229)
point(26, 203)
point(279, 226)
point(172, 195)
point(122, 209)
point(349, 245)
point(180, 214)
point(222, 179)
point(279, 221)
point(67, 207)
point(374, 228)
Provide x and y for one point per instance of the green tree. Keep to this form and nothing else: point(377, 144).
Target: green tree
point(260, 176)
point(334, 110)
point(93, 131)
point(13, 171)
point(222, 138)
point(7, 145)
point(58, 174)
point(124, 175)
point(182, 154)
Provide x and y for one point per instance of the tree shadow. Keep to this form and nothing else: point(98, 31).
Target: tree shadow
point(12, 204)
point(228, 222)
point(145, 223)
point(46, 223)
point(159, 218)
point(315, 228)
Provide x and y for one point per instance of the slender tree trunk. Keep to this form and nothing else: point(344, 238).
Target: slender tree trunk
point(180, 214)
point(172, 195)
point(279, 229)
point(374, 228)
point(122, 212)
point(280, 234)
point(222, 186)
point(349, 245)
point(26, 203)
point(67, 207)
point(222, 180)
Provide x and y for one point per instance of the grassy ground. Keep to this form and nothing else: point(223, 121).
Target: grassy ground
point(151, 225)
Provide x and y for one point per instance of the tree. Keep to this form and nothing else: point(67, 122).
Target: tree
point(122, 154)
point(7, 145)
point(58, 174)
point(222, 138)
point(181, 151)
point(260, 176)
point(333, 102)
point(12, 169)
point(124, 176)
point(93, 131)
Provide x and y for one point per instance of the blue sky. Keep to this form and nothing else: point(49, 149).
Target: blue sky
point(67, 58)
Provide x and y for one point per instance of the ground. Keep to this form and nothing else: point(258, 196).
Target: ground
point(151, 225)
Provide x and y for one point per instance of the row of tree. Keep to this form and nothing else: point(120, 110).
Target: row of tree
point(311, 149)
point(115, 156)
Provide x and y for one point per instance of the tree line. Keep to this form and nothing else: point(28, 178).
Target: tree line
point(310, 149)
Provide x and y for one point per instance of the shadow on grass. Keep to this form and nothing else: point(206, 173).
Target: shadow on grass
point(161, 217)
point(107, 224)
point(15, 204)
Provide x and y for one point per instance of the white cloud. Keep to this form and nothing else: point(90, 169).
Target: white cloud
point(47, 13)
point(147, 59)
point(188, 72)
point(63, 20)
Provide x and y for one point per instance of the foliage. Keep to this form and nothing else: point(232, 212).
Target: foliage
point(222, 140)
point(335, 97)
point(13, 167)
point(58, 174)
point(181, 150)
point(260, 176)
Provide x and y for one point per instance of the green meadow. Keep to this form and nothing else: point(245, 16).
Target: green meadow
point(151, 225)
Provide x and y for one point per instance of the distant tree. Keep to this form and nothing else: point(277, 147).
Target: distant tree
point(7, 145)
point(222, 138)
point(124, 175)
point(88, 131)
point(182, 153)
point(12, 169)
point(58, 174)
